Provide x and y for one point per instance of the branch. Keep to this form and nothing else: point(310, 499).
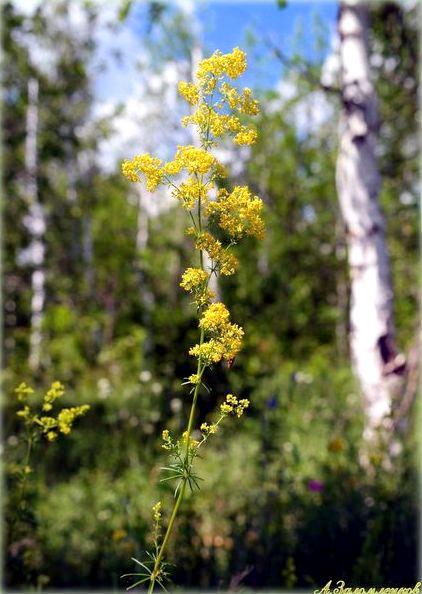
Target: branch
point(305, 71)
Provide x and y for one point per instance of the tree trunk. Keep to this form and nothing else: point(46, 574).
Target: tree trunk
point(372, 341)
point(35, 224)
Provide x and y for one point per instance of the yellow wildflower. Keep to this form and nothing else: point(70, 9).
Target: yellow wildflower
point(226, 338)
point(247, 135)
point(231, 340)
point(167, 441)
point(209, 121)
point(215, 318)
point(23, 391)
point(56, 391)
point(189, 92)
point(236, 63)
point(190, 191)
point(232, 64)
point(226, 262)
point(247, 104)
point(193, 443)
point(156, 512)
point(173, 167)
point(209, 352)
point(193, 278)
point(226, 408)
point(149, 166)
point(194, 379)
point(24, 413)
point(129, 171)
point(244, 102)
point(67, 415)
point(238, 213)
point(208, 429)
point(194, 159)
point(234, 406)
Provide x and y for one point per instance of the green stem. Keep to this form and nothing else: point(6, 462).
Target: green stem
point(21, 495)
point(25, 466)
point(183, 487)
point(166, 537)
point(200, 370)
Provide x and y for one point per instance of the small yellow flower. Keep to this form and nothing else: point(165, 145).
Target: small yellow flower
point(208, 429)
point(193, 278)
point(67, 415)
point(189, 92)
point(56, 391)
point(234, 406)
point(167, 441)
point(23, 391)
point(246, 136)
point(195, 379)
point(156, 512)
point(226, 262)
point(238, 213)
point(24, 413)
point(233, 64)
point(226, 408)
point(190, 191)
point(244, 102)
point(215, 318)
point(147, 165)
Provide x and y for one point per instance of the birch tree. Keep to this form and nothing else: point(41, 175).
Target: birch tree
point(372, 334)
point(35, 223)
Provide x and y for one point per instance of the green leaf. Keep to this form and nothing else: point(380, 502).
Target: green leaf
point(124, 10)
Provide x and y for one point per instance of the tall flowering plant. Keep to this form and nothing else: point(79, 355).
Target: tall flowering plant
point(196, 179)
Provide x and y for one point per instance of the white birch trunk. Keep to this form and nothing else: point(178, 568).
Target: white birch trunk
point(35, 224)
point(372, 343)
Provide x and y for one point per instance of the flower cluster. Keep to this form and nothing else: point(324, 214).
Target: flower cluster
point(144, 164)
point(221, 258)
point(48, 426)
point(243, 102)
point(189, 92)
point(238, 212)
point(225, 338)
point(212, 119)
point(56, 390)
point(195, 281)
point(156, 512)
point(233, 406)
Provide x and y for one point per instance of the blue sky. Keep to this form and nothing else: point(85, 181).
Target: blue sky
point(224, 25)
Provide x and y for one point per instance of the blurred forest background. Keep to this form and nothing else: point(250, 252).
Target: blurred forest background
point(91, 297)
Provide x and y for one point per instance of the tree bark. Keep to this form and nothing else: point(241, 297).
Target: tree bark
point(372, 334)
point(35, 224)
